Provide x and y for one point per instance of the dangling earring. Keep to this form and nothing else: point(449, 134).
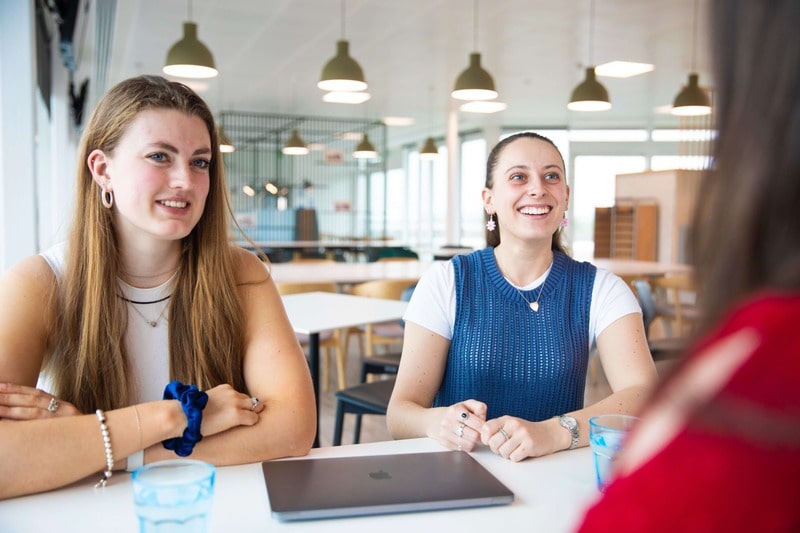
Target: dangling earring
point(491, 225)
point(107, 198)
point(564, 220)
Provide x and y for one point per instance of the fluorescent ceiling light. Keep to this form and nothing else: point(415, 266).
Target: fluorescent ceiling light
point(622, 69)
point(483, 106)
point(398, 121)
point(346, 97)
point(350, 136)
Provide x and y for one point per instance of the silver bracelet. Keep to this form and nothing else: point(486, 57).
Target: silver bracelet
point(101, 416)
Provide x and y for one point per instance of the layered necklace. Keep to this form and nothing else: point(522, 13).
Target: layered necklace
point(149, 322)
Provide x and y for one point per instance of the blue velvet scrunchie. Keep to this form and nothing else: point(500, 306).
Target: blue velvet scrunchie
point(193, 401)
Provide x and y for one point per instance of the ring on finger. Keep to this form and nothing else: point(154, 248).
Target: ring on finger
point(253, 403)
point(53, 406)
point(463, 415)
point(459, 448)
point(460, 430)
point(504, 434)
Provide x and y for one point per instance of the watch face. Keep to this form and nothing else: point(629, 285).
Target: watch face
point(569, 422)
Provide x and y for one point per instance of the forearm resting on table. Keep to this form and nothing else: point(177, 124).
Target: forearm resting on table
point(407, 420)
point(280, 432)
point(38, 455)
point(628, 401)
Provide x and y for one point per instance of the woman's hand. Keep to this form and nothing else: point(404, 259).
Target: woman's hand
point(516, 439)
point(460, 424)
point(228, 408)
point(20, 402)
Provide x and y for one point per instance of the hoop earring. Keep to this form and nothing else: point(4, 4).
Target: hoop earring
point(107, 198)
point(491, 225)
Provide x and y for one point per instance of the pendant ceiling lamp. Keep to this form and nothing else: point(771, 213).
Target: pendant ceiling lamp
point(365, 149)
point(225, 143)
point(295, 145)
point(590, 94)
point(429, 149)
point(692, 100)
point(474, 83)
point(342, 72)
point(189, 57)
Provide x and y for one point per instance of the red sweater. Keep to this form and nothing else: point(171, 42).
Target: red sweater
point(715, 476)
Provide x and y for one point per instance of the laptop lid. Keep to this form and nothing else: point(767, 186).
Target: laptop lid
point(352, 486)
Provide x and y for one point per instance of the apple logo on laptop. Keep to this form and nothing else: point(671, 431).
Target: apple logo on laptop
point(380, 474)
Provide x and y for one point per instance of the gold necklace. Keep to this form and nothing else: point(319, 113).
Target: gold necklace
point(151, 323)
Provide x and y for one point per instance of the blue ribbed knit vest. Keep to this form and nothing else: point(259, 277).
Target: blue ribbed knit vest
point(521, 363)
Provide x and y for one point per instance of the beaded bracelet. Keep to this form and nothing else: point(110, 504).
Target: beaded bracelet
point(101, 416)
point(193, 401)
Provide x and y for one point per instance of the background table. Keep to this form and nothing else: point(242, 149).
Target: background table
point(551, 495)
point(347, 273)
point(314, 312)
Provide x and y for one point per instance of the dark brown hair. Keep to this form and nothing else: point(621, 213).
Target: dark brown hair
point(747, 227)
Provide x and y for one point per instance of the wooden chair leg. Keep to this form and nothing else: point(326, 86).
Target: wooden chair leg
point(326, 364)
point(341, 365)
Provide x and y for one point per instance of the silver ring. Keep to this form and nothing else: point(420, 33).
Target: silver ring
point(53, 407)
point(459, 447)
point(460, 430)
point(504, 434)
point(464, 415)
point(253, 403)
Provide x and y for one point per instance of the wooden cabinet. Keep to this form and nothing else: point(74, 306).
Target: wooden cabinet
point(628, 230)
point(675, 192)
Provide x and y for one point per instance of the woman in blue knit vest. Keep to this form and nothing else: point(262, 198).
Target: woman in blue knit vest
point(497, 342)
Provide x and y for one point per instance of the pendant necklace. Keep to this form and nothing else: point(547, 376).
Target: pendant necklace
point(534, 305)
point(151, 323)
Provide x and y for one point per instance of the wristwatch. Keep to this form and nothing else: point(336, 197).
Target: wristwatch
point(572, 426)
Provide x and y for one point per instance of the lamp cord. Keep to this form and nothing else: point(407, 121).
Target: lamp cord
point(343, 10)
point(694, 37)
point(591, 33)
point(475, 27)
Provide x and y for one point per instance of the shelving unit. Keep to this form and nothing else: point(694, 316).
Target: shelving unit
point(628, 230)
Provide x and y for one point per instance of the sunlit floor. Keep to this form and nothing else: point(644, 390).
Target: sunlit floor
point(373, 427)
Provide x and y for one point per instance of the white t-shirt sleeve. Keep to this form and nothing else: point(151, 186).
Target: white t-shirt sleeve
point(611, 300)
point(433, 304)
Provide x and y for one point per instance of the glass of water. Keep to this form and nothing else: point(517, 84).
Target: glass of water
point(607, 434)
point(174, 496)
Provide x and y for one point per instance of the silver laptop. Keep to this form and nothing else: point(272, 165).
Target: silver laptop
point(307, 489)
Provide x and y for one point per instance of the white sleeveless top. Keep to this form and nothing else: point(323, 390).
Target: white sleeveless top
point(147, 346)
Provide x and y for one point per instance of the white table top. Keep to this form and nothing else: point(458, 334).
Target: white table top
point(551, 494)
point(313, 312)
point(346, 273)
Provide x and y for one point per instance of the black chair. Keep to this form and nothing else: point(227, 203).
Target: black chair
point(660, 348)
point(364, 399)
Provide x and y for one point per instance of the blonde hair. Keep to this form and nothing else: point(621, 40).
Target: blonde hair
point(89, 364)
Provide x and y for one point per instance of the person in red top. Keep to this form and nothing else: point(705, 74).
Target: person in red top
point(718, 445)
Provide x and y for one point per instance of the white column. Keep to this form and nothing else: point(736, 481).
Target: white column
point(453, 219)
point(18, 219)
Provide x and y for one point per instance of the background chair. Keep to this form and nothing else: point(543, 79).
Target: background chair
point(364, 399)
point(661, 348)
point(384, 333)
point(330, 341)
point(674, 296)
point(367, 398)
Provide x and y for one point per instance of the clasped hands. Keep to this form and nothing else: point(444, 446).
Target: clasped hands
point(463, 426)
